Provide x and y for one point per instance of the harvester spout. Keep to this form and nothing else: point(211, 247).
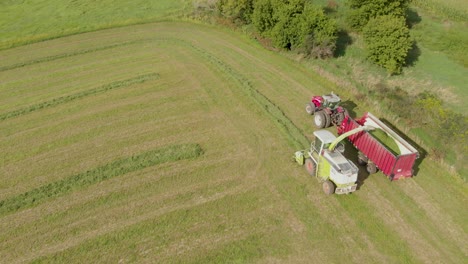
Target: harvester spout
point(347, 134)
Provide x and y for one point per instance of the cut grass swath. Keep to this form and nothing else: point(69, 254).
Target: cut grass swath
point(66, 55)
point(65, 99)
point(107, 171)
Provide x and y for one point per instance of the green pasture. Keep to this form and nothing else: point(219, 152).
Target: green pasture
point(29, 21)
point(172, 142)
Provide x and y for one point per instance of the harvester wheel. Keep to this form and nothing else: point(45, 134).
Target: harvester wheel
point(371, 168)
point(310, 166)
point(322, 119)
point(310, 108)
point(328, 187)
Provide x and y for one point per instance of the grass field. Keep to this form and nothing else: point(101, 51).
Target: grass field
point(34, 20)
point(171, 142)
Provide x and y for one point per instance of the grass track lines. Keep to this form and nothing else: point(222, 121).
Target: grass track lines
point(243, 200)
point(69, 98)
point(113, 169)
point(294, 135)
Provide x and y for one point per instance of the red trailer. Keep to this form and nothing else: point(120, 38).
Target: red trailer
point(395, 163)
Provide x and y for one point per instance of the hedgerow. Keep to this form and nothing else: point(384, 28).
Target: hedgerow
point(293, 24)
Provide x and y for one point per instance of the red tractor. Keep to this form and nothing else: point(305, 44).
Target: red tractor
point(327, 110)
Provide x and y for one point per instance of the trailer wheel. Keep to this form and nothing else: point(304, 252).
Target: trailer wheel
point(362, 159)
point(371, 168)
point(310, 108)
point(328, 187)
point(322, 119)
point(310, 166)
point(361, 162)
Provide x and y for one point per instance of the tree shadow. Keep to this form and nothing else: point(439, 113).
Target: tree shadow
point(422, 152)
point(342, 43)
point(412, 17)
point(349, 106)
point(413, 55)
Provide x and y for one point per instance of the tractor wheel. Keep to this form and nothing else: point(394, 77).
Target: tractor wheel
point(310, 166)
point(322, 119)
point(310, 108)
point(371, 168)
point(340, 118)
point(328, 187)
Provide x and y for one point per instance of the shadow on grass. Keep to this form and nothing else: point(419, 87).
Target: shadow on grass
point(413, 55)
point(412, 17)
point(421, 150)
point(342, 43)
point(349, 106)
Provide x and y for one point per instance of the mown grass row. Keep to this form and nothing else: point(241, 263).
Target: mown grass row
point(99, 174)
point(294, 135)
point(65, 99)
point(66, 55)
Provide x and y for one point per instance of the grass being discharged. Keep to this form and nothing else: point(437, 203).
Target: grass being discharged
point(102, 173)
point(68, 98)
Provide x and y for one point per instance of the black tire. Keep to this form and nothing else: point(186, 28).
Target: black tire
point(362, 159)
point(371, 168)
point(328, 187)
point(310, 166)
point(361, 162)
point(321, 119)
point(310, 108)
point(340, 118)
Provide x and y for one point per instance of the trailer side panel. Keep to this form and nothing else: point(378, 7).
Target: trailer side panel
point(395, 166)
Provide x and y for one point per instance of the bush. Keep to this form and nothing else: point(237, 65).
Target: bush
point(236, 10)
point(263, 16)
point(320, 33)
point(361, 11)
point(388, 41)
point(296, 25)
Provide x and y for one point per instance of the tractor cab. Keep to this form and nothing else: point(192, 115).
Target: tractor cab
point(331, 101)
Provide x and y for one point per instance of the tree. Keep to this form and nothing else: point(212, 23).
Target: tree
point(388, 41)
point(286, 32)
point(361, 11)
point(318, 32)
point(236, 10)
point(263, 17)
